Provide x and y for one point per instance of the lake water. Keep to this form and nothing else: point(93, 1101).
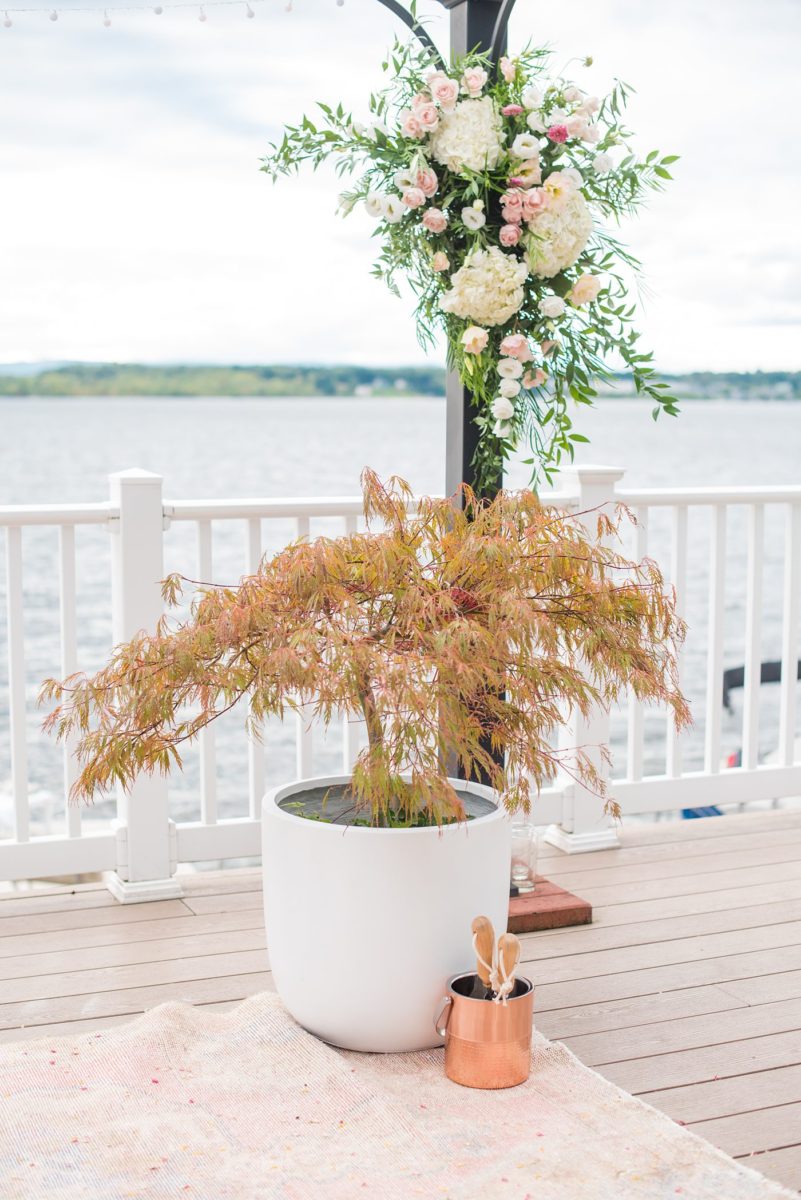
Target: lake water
point(56, 450)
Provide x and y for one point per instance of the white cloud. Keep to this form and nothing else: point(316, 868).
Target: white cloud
point(135, 224)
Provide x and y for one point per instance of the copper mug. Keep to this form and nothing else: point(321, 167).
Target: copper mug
point(487, 1045)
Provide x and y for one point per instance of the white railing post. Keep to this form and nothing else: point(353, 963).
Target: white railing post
point(584, 826)
point(145, 834)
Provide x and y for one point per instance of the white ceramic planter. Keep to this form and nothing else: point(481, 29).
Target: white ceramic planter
point(364, 926)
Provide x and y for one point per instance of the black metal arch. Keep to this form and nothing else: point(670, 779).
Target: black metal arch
point(417, 29)
point(498, 42)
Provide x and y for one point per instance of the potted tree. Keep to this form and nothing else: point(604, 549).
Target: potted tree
point(459, 636)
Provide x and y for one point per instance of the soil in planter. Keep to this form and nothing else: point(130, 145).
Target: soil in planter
point(335, 805)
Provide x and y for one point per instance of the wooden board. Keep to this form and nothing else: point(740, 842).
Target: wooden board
point(547, 907)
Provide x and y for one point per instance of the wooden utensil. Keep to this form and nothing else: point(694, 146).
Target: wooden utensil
point(484, 942)
point(508, 957)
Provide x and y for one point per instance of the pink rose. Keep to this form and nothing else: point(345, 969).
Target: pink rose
point(435, 220)
point(419, 100)
point(547, 347)
point(558, 133)
point(512, 202)
point(584, 290)
point(440, 261)
point(507, 69)
point(576, 125)
point(427, 181)
point(427, 115)
point(534, 379)
point(414, 197)
point(410, 126)
point(473, 80)
point(534, 201)
point(444, 90)
point(515, 345)
point(512, 110)
point(509, 235)
point(474, 339)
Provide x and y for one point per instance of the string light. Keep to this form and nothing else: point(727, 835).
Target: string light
point(158, 9)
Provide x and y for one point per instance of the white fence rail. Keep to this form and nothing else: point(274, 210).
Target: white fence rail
point(716, 545)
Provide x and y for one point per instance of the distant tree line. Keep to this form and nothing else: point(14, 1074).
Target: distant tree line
point(134, 379)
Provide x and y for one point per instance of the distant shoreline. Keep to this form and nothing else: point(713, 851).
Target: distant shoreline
point(133, 380)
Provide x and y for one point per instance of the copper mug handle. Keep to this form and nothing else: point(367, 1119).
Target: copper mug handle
point(440, 1025)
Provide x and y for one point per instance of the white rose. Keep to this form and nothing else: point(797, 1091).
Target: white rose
point(591, 134)
point(602, 163)
point(525, 146)
point(571, 94)
point(393, 209)
point(502, 409)
point(574, 176)
point(510, 368)
point(374, 203)
point(473, 219)
point(471, 136)
point(551, 306)
point(591, 104)
point(535, 122)
point(531, 98)
point(509, 388)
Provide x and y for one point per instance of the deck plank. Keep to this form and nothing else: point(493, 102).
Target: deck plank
point(684, 990)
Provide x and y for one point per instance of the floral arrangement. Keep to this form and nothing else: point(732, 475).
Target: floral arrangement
point(488, 186)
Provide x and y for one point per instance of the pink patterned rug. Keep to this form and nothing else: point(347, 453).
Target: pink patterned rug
point(247, 1106)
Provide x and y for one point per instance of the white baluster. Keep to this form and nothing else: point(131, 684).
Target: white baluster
point(69, 660)
point(16, 684)
point(753, 636)
point(207, 741)
point(256, 769)
point(714, 673)
point(792, 588)
point(678, 574)
point(634, 748)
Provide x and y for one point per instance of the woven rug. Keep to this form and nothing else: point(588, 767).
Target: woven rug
point(247, 1106)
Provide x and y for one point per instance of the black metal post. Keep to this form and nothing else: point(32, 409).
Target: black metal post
point(475, 25)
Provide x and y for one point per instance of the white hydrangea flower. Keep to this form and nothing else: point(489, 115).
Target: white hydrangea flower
point(557, 236)
point(488, 288)
point(471, 136)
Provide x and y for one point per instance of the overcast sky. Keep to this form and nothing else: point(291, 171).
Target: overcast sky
point(134, 224)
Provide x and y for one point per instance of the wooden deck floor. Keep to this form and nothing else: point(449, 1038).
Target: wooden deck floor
point(684, 991)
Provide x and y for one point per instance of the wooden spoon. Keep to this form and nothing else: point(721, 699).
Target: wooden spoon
point(508, 956)
point(484, 936)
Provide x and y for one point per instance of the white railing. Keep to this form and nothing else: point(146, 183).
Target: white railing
point(140, 838)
